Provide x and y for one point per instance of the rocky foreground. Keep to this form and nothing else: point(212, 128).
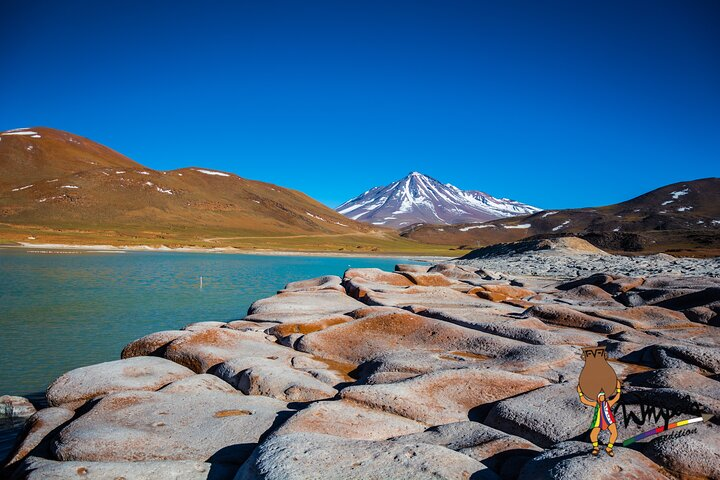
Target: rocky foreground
point(443, 372)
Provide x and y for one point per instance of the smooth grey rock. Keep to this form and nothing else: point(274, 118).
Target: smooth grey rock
point(210, 426)
point(572, 461)
point(299, 456)
point(41, 469)
point(78, 386)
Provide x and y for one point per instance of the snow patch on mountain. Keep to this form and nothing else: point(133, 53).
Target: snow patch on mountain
point(418, 198)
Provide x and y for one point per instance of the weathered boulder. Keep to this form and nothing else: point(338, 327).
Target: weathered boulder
point(15, 407)
point(273, 378)
point(41, 469)
point(504, 454)
point(213, 426)
point(296, 306)
point(326, 282)
point(405, 267)
point(78, 386)
point(349, 420)
point(544, 416)
point(197, 326)
point(524, 329)
point(587, 295)
point(309, 455)
point(567, 317)
point(288, 328)
point(433, 280)
point(152, 344)
point(680, 355)
point(677, 378)
point(457, 272)
point(198, 384)
point(498, 293)
point(388, 330)
point(202, 350)
point(37, 428)
point(427, 297)
point(359, 281)
point(444, 396)
point(692, 453)
point(645, 317)
point(572, 460)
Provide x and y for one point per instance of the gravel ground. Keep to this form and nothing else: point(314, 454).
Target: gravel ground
point(570, 265)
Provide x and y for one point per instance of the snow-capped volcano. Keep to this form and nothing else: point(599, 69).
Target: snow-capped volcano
point(418, 198)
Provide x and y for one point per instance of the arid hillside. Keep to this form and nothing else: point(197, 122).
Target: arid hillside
point(58, 187)
point(681, 219)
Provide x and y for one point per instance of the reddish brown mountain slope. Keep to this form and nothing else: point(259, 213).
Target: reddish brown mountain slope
point(61, 182)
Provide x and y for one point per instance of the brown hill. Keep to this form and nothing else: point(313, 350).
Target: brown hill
point(682, 218)
point(60, 187)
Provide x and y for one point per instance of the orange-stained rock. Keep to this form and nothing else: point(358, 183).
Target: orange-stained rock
point(285, 329)
point(349, 420)
point(498, 293)
point(430, 279)
point(327, 282)
point(445, 396)
point(202, 350)
point(384, 331)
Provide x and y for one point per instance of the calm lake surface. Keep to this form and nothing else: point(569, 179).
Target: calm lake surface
point(63, 311)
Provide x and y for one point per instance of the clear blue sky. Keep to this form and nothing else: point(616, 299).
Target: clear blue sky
point(555, 103)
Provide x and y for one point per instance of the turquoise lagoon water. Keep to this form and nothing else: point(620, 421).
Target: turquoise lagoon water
point(63, 311)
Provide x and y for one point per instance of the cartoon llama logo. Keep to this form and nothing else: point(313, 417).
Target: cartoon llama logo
point(599, 387)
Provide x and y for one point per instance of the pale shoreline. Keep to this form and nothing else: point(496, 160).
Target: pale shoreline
point(46, 248)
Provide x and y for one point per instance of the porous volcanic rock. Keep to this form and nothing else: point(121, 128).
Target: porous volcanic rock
point(305, 455)
point(677, 378)
point(78, 386)
point(572, 460)
point(544, 416)
point(210, 426)
point(691, 456)
point(503, 453)
point(444, 396)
